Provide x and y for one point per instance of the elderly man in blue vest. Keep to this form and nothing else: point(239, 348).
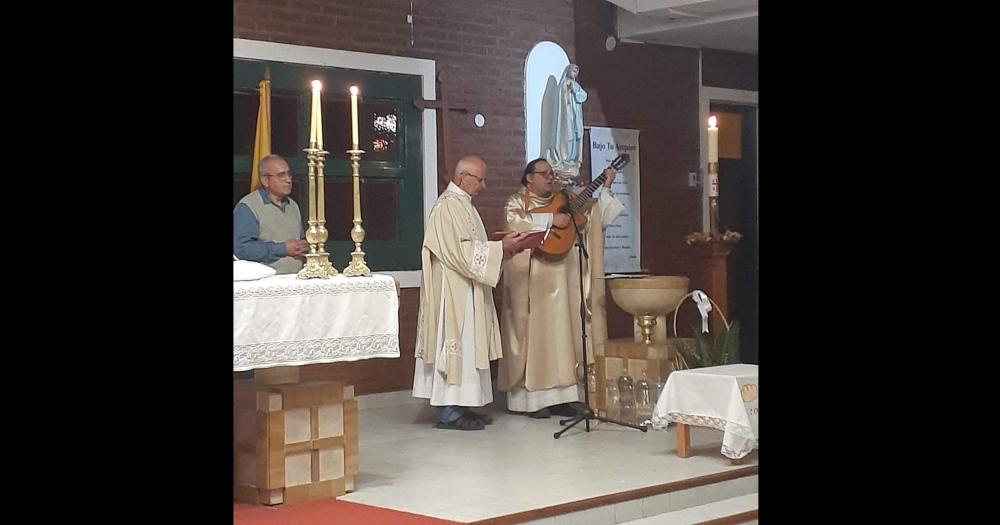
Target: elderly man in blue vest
point(267, 224)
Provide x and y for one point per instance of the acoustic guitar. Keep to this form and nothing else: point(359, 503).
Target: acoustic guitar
point(560, 240)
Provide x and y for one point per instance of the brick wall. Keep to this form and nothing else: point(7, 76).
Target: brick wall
point(653, 89)
point(726, 69)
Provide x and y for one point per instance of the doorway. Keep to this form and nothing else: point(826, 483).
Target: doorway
point(738, 191)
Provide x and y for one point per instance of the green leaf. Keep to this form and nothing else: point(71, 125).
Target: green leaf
point(702, 347)
point(734, 342)
point(686, 349)
point(688, 357)
point(719, 348)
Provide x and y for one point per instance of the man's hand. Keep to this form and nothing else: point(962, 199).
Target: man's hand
point(296, 247)
point(511, 240)
point(560, 220)
point(510, 243)
point(610, 173)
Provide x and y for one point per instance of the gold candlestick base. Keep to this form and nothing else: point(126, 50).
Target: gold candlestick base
point(324, 257)
point(357, 266)
point(317, 267)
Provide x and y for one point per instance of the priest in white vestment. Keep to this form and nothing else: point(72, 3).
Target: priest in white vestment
point(457, 329)
point(540, 313)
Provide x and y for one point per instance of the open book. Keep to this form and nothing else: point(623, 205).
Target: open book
point(534, 239)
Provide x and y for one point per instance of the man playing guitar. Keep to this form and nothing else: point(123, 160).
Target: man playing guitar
point(540, 312)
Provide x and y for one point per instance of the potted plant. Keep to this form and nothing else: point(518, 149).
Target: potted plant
point(718, 347)
point(721, 347)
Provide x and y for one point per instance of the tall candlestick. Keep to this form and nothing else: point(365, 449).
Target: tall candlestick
point(713, 140)
point(354, 116)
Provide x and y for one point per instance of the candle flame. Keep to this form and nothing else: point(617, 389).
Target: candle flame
point(317, 85)
point(712, 121)
point(354, 90)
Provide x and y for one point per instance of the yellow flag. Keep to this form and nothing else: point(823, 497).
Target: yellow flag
point(262, 139)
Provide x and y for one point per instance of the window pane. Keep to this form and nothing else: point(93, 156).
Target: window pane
point(378, 129)
point(379, 208)
point(284, 123)
point(385, 125)
point(336, 127)
point(244, 121)
point(285, 109)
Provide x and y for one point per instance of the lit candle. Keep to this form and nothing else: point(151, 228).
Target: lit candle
point(312, 119)
point(713, 140)
point(354, 116)
point(317, 113)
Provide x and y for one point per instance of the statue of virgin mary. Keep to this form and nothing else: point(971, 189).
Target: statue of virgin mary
point(566, 151)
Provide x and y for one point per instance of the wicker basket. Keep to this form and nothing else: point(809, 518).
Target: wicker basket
point(679, 362)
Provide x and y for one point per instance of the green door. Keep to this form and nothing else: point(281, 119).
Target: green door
point(389, 133)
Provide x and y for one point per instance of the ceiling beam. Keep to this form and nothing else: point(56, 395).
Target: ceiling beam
point(629, 5)
point(631, 26)
point(645, 6)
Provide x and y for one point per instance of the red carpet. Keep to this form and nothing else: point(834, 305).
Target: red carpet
point(326, 511)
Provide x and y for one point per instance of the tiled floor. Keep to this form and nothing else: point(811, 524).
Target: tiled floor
point(515, 465)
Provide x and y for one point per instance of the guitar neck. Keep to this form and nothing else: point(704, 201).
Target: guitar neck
point(584, 196)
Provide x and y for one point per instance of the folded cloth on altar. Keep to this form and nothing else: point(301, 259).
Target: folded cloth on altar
point(251, 271)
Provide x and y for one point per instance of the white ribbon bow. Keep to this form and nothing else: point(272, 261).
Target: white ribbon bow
point(704, 306)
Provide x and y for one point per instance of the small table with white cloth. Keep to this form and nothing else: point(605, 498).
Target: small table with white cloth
point(721, 397)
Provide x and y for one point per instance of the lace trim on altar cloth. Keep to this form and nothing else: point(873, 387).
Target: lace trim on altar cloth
point(288, 288)
point(743, 443)
point(736, 453)
point(261, 355)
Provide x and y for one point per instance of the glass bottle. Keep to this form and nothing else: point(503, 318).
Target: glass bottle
point(626, 397)
point(612, 400)
point(643, 399)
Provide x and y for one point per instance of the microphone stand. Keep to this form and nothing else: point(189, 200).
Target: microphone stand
point(588, 413)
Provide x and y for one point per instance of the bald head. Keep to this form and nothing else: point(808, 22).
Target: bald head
point(470, 174)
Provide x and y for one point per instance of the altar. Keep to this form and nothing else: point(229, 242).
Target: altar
point(298, 440)
point(285, 321)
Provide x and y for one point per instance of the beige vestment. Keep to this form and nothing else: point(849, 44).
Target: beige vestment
point(540, 311)
point(460, 266)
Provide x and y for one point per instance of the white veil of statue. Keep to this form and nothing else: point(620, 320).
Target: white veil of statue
point(565, 153)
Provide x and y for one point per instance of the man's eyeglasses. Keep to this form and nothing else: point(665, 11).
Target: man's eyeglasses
point(286, 175)
point(547, 174)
